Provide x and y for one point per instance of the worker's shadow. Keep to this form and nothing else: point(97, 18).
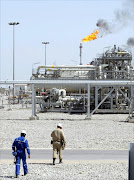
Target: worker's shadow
point(124, 121)
point(49, 164)
point(6, 177)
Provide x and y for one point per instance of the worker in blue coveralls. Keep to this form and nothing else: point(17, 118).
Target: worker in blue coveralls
point(19, 146)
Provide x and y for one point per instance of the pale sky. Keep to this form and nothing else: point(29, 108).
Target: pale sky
point(63, 24)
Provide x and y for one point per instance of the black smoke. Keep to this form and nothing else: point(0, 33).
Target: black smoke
point(104, 26)
point(122, 18)
point(130, 42)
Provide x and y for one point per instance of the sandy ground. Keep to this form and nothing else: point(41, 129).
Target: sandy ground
point(103, 132)
point(109, 131)
point(69, 170)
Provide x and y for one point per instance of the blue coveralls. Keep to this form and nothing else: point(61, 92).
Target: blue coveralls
point(20, 144)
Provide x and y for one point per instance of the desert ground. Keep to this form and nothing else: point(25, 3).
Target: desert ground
point(102, 132)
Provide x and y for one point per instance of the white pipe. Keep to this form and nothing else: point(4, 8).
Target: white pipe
point(71, 82)
point(67, 66)
point(71, 69)
point(67, 98)
point(117, 53)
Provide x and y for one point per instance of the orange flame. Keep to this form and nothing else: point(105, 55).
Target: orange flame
point(91, 37)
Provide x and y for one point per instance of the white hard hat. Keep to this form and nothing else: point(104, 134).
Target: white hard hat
point(59, 125)
point(23, 132)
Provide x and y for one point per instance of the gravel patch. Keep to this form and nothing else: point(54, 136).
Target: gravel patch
point(107, 131)
point(70, 171)
point(103, 132)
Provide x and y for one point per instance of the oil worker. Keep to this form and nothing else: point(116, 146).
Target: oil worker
point(19, 146)
point(58, 141)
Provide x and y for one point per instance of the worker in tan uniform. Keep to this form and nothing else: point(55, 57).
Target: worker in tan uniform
point(58, 141)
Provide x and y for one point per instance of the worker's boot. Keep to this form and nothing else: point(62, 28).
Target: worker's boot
point(53, 161)
point(60, 161)
point(15, 160)
point(17, 176)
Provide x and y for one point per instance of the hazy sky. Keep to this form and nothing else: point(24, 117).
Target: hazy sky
point(64, 24)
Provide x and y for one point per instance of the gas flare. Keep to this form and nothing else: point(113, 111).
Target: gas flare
point(91, 37)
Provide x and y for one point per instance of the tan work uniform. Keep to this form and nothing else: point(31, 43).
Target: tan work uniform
point(57, 136)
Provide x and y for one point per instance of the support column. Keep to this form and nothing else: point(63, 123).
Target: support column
point(132, 91)
point(34, 116)
point(116, 96)
point(131, 108)
point(9, 102)
point(131, 162)
point(96, 96)
point(88, 117)
point(79, 90)
point(132, 97)
point(111, 103)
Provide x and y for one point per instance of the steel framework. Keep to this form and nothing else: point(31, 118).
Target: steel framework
point(114, 85)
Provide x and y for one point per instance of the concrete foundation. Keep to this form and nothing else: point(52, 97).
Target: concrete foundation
point(131, 119)
point(9, 109)
point(88, 117)
point(1, 107)
point(34, 118)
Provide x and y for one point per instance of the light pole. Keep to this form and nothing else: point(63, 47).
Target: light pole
point(13, 24)
point(45, 51)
